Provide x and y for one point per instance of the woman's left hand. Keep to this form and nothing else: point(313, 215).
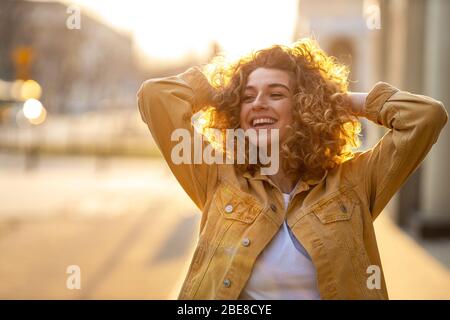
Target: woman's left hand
point(356, 101)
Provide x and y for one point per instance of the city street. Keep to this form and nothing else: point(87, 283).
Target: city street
point(131, 229)
point(117, 220)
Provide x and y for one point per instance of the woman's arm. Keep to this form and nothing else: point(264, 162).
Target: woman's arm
point(414, 123)
point(167, 104)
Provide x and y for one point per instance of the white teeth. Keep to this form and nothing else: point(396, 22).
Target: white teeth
point(263, 121)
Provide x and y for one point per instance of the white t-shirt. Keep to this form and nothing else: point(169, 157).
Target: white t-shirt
point(283, 270)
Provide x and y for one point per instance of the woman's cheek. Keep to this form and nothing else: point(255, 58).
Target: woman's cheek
point(243, 116)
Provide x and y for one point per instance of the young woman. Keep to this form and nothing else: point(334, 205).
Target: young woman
point(305, 231)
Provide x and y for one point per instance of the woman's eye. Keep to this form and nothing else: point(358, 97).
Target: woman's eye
point(276, 95)
point(247, 98)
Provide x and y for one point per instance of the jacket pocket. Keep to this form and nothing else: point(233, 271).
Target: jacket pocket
point(234, 205)
point(341, 227)
point(338, 207)
point(339, 222)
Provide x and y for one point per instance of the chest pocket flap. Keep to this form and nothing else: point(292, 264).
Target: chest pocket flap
point(236, 205)
point(338, 207)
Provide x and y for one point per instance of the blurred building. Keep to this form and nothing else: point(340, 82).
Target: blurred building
point(415, 51)
point(92, 67)
point(405, 43)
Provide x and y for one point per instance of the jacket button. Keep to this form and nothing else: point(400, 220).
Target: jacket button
point(273, 207)
point(343, 208)
point(229, 208)
point(245, 242)
point(227, 283)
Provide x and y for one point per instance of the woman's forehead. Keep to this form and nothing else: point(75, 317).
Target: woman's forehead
point(262, 77)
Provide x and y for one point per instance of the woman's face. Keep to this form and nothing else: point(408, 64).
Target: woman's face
point(267, 101)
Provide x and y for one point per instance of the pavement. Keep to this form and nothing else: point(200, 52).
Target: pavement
point(411, 271)
point(131, 230)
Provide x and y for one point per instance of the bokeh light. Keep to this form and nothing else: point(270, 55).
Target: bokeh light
point(34, 111)
point(30, 90)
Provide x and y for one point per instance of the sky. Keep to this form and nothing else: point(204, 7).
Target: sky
point(173, 29)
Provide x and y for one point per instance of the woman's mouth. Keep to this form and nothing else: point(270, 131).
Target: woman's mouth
point(264, 122)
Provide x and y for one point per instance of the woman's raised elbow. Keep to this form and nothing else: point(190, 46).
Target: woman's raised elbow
point(147, 96)
point(437, 113)
point(149, 89)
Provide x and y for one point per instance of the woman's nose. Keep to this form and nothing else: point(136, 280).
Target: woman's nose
point(259, 103)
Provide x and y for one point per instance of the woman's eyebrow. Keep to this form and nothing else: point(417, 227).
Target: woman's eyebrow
point(279, 85)
point(272, 85)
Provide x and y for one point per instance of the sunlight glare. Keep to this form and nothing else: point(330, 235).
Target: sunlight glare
point(176, 29)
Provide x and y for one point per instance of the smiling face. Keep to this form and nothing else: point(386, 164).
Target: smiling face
point(267, 101)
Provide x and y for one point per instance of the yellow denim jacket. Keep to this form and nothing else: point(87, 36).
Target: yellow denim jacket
point(331, 217)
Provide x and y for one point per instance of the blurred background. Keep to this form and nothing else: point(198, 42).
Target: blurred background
point(82, 183)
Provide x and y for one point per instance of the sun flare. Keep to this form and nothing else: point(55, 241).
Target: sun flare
point(176, 29)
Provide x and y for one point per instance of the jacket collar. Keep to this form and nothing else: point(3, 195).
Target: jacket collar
point(300, 186)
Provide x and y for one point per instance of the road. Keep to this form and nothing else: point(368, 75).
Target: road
point(131, 230)
point(116, 219)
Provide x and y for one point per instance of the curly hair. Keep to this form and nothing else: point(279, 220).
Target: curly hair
point(324, 130)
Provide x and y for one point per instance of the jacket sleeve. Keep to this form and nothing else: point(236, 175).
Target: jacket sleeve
point(414, 123)
point(166, 104)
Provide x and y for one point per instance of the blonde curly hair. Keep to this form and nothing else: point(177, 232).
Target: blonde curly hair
point(324, 130)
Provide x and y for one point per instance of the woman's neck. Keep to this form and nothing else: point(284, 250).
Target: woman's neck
point(283, 181)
